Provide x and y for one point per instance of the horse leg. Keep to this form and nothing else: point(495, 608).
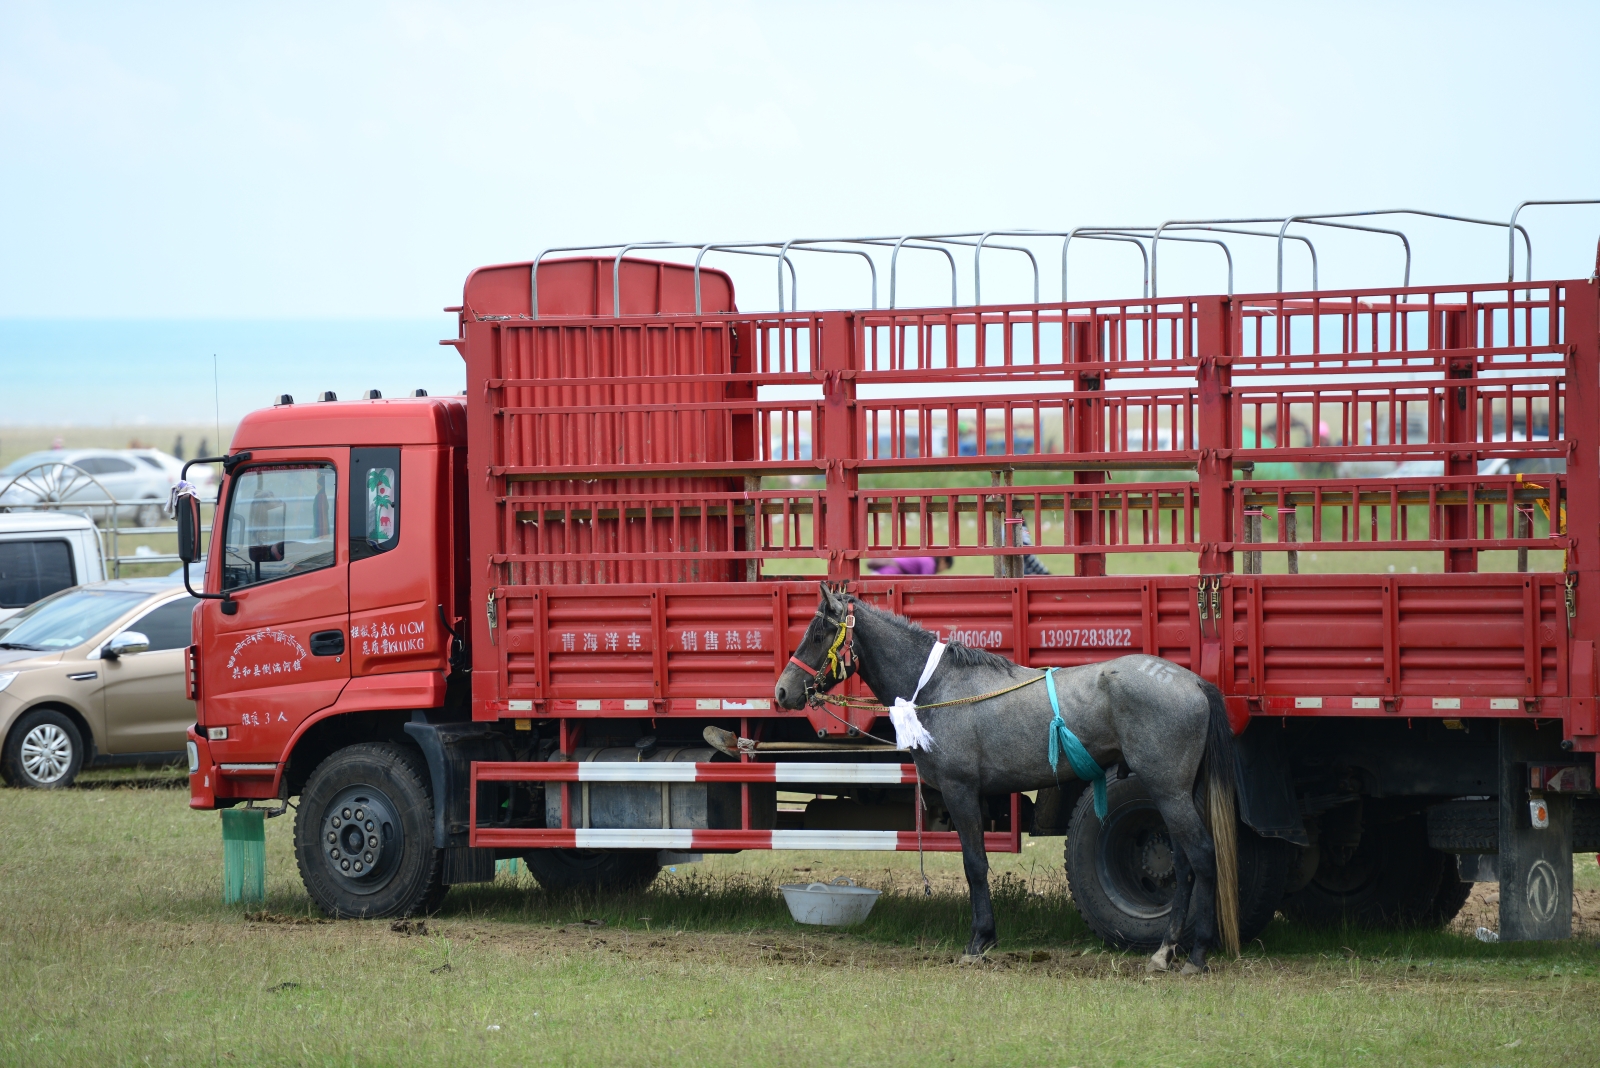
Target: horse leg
point(1183, 874)
point(966, 814)
point(1191, 840)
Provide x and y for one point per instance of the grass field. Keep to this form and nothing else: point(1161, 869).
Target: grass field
point(115, 949)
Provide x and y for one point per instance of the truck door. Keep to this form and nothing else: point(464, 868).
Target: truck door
point(283, 655)
point(396, 553)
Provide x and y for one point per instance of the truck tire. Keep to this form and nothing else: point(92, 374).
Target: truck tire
point(1391, 880)
point(1121, 876)
point(44, 751)
point(1452, 897)
point(606, 871)
point(363, 834)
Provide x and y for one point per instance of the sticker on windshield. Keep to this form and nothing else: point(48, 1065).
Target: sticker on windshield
point(380, 504)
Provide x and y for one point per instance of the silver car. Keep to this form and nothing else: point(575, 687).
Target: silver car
point(78, 480)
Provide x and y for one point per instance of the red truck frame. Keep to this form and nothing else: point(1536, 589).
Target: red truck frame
point(611, 543)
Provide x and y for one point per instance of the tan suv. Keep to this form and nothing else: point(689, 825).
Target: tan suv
point(94, 675)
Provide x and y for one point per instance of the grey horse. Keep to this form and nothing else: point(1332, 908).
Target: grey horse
point(1168, 725)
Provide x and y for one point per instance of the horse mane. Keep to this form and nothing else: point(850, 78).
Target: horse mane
point(955, 653)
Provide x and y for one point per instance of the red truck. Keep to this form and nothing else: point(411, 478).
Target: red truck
point(543, 619)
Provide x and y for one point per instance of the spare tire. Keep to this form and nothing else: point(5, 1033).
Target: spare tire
point(1465, 826)
point(1122, 878)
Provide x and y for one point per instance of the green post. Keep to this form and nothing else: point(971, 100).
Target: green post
point(244, 855)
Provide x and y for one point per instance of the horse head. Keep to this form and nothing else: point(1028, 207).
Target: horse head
point(825, 656)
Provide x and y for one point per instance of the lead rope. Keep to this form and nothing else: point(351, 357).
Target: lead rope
point(927, 887)
point(922, 867)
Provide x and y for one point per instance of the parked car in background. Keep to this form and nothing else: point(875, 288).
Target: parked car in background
point(1494, 465)
point(202, 476)
point(94, 676)
point(85, 477)
point(43, 553)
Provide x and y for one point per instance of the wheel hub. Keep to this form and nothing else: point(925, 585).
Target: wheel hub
point(1155, 857)
point(46, 753)
point(1135, 860)
point(361, 837)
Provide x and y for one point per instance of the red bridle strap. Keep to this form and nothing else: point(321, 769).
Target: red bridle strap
point(844, 653)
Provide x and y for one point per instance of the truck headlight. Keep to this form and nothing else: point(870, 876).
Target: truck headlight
point(194, 757)
point(6, 677)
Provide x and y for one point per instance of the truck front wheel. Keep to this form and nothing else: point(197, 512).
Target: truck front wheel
point(363, 834)
point(605, 871)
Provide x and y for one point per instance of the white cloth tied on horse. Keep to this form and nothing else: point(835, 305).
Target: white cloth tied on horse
point(909, 733)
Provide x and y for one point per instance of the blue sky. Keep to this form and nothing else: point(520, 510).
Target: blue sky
point(353, 162)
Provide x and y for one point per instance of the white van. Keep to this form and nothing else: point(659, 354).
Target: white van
point(42, 552)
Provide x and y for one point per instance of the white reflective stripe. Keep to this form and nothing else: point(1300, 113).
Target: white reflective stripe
point(249, 767)
point(623, 838)
point(854, 773)
point(834, 839)
point(596, 771)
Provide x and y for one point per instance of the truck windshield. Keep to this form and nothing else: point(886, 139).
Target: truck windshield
point(280, 523)
point(69, 618)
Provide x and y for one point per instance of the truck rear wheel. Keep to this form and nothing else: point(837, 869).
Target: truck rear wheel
point(1391, 879)
point(1122, 877)
point(603, 870)
point(1451, 898)
point(363, 834)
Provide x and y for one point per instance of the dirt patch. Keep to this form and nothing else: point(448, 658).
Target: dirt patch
point(1483, 910)
point(824, 949)
point(288, 921)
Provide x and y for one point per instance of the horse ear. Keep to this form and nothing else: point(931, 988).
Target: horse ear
point(830, 596)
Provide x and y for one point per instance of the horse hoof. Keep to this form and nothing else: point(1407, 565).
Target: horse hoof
point(1190, 969)
point(1161, 961)
point(972, 958)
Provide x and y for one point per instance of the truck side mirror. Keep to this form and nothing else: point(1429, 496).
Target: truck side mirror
point(188, 528)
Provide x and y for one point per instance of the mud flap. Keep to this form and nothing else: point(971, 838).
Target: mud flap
point(450, 749)
point(1266, 794)
point(1535, 864)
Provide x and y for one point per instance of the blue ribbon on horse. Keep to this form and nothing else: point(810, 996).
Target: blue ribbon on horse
point(1061, 737)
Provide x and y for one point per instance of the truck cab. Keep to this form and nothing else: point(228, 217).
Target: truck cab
point(331, 591)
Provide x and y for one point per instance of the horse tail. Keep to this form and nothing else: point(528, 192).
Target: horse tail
point(1216, 778)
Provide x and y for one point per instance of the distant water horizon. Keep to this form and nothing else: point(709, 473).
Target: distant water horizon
point(158, 372)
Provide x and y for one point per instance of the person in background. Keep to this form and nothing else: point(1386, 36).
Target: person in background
point(1030, 563)
point(913, 565)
